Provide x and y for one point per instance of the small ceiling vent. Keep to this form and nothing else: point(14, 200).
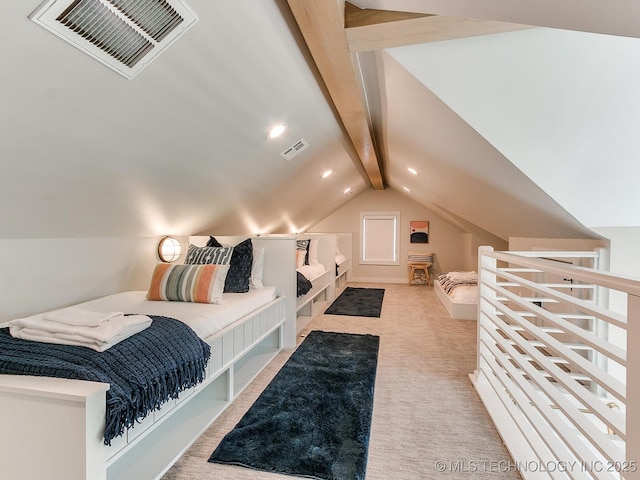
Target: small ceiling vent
point(125, 35)
point(294, 149)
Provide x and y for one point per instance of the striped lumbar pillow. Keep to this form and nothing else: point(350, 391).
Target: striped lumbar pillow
point(188, 283)
point(207, 255)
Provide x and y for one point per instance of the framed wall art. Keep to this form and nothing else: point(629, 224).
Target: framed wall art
point(419, 231)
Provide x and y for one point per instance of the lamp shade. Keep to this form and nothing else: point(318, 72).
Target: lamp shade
point(169, 249)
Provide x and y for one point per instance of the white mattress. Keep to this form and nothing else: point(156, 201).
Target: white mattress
point(204, 318)
point(312, 272)
point(465, 294)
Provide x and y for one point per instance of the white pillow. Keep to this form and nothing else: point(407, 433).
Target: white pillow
point(257, 267)
point(300, 254)
point(313, 251)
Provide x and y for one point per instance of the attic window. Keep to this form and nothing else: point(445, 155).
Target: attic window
point(125, 35)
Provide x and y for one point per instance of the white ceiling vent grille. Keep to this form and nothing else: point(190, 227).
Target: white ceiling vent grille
point(125, 35)
point(294, 149)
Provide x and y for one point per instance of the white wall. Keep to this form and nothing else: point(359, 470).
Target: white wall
point(450, 245)
point(625, 253)
point(624, 258)
point(520, 244)
point(44, 274)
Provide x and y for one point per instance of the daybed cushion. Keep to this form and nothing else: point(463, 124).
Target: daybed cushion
point(465, 294)
point(205, 319)
point(312, 271)
point(239, 274)
point(188, 283)
point(462, 287)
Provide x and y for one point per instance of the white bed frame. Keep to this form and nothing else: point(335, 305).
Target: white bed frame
point(344, 241)
point(457, 310)
point(323, 290)
point(53, 428)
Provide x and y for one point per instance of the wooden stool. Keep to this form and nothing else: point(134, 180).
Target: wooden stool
point(413, 266)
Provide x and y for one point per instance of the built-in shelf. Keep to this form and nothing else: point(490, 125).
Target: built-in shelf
point(168, 440)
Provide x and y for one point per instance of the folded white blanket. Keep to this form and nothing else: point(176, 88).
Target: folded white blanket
point(98, 338)
point(79, 316)
point(462, 275)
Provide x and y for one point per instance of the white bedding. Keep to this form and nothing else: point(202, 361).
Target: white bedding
point(204, 318)
point(311, 272)
point(97, 337)
point(463, 286)
point(465, 294)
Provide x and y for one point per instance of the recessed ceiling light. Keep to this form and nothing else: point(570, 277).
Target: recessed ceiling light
point(327, 173)
point(406, 189)
point(276, 131)
point(412, 170)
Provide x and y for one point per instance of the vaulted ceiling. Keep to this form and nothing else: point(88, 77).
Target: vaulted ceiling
point(458, 92)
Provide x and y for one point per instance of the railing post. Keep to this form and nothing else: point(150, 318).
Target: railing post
point(483, 263)
point(633, 387)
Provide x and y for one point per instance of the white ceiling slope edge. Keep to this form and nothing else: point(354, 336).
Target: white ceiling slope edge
point(563, 106)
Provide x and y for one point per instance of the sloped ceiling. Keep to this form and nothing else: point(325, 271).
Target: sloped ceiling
point(562, 106)
point(459, 171)
point(178, 149)
point(181, 148)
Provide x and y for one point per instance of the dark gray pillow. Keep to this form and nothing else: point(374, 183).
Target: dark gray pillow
point(240, 267)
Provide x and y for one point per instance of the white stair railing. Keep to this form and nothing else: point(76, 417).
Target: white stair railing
point(557, 370)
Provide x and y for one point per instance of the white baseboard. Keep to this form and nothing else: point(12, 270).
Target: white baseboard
point(377, 280)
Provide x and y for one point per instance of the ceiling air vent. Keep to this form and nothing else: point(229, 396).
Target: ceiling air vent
point(125, 35)
point(294, 149)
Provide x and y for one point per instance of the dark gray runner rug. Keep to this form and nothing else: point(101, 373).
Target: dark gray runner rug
point(313, 420)
point(358, 302)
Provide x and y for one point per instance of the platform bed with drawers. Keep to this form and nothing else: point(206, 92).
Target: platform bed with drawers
point(57, 425)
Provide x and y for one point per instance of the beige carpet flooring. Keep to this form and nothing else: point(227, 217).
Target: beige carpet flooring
point(428, 421)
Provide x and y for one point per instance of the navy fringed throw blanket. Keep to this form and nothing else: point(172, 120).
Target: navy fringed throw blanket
point(144, 371)
point(304, 285)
